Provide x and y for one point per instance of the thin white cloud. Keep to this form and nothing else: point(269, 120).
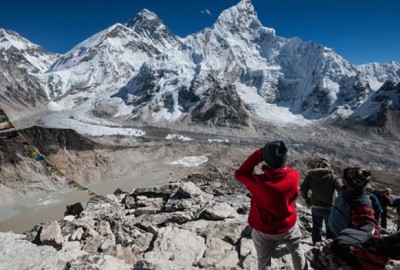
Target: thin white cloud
point(206, 11)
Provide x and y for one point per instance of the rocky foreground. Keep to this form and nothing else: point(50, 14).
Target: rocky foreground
point(196, 223)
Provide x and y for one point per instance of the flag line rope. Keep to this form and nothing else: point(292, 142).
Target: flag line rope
point(8, 130)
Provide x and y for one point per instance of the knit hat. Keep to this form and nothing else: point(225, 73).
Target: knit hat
point(275, 153)
point(356, 177)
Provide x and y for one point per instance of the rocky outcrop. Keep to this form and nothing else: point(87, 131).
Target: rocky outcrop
point(381, 111)
point(197, 223)
point(22, 175)
point(48, 140)
point(19, 89)
point(51, 140)
point(221, 107)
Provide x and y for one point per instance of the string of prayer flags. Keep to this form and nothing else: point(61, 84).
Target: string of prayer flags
point(8, 130)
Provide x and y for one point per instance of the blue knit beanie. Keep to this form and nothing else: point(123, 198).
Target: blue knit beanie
point(275, 154)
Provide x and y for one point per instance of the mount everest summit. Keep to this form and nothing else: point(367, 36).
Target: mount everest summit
point(234, 73)
point(109, 58)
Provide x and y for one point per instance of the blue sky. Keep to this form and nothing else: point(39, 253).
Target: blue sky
point(361, 31)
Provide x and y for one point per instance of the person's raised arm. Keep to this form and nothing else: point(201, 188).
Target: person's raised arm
point(337, 183)
point(245, 172)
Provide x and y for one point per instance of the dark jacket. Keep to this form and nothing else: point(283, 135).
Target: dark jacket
point(273, 195)
point(352, 209)
point(322, 183)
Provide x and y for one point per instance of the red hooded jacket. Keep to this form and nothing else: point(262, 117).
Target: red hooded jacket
point(273, 195)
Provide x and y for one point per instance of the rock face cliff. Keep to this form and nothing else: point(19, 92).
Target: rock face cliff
point(197, 223)
point(22, 175)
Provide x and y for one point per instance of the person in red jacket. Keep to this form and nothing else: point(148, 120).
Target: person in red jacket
point(273, 216)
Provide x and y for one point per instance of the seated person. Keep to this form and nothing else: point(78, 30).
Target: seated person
point(352, 207)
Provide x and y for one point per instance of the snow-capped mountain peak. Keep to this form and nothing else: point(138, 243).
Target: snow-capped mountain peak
point(238, 66)
point(109, 58)
point(10, 39)
point(142, 19)
point(87, 49)
point(229, 74)
point(197, 77)
point(23, 53)
point(243, 11)
point(239, 19)
point(152, 30)
point(148, 24)
point(379, 73)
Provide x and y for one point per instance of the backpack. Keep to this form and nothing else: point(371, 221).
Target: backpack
point(388, 245)
point(352, 237)
point(368, 260)
point(362, 250)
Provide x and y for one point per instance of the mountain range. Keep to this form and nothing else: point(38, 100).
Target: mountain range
point(235, 73)
point(145, 104)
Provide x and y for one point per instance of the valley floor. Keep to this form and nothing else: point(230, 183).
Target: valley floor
point(171, 154)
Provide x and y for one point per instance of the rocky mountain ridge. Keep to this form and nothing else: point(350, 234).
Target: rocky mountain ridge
point(260, 67)
point(380, 108)
point(235, 73)
point(22, 53)
point(107, 59)
point(24, 93)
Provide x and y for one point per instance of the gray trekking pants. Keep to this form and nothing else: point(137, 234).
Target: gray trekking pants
point(266, 243)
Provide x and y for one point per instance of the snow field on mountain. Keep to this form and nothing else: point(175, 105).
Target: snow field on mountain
point(80, 120)
point(279, 116)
